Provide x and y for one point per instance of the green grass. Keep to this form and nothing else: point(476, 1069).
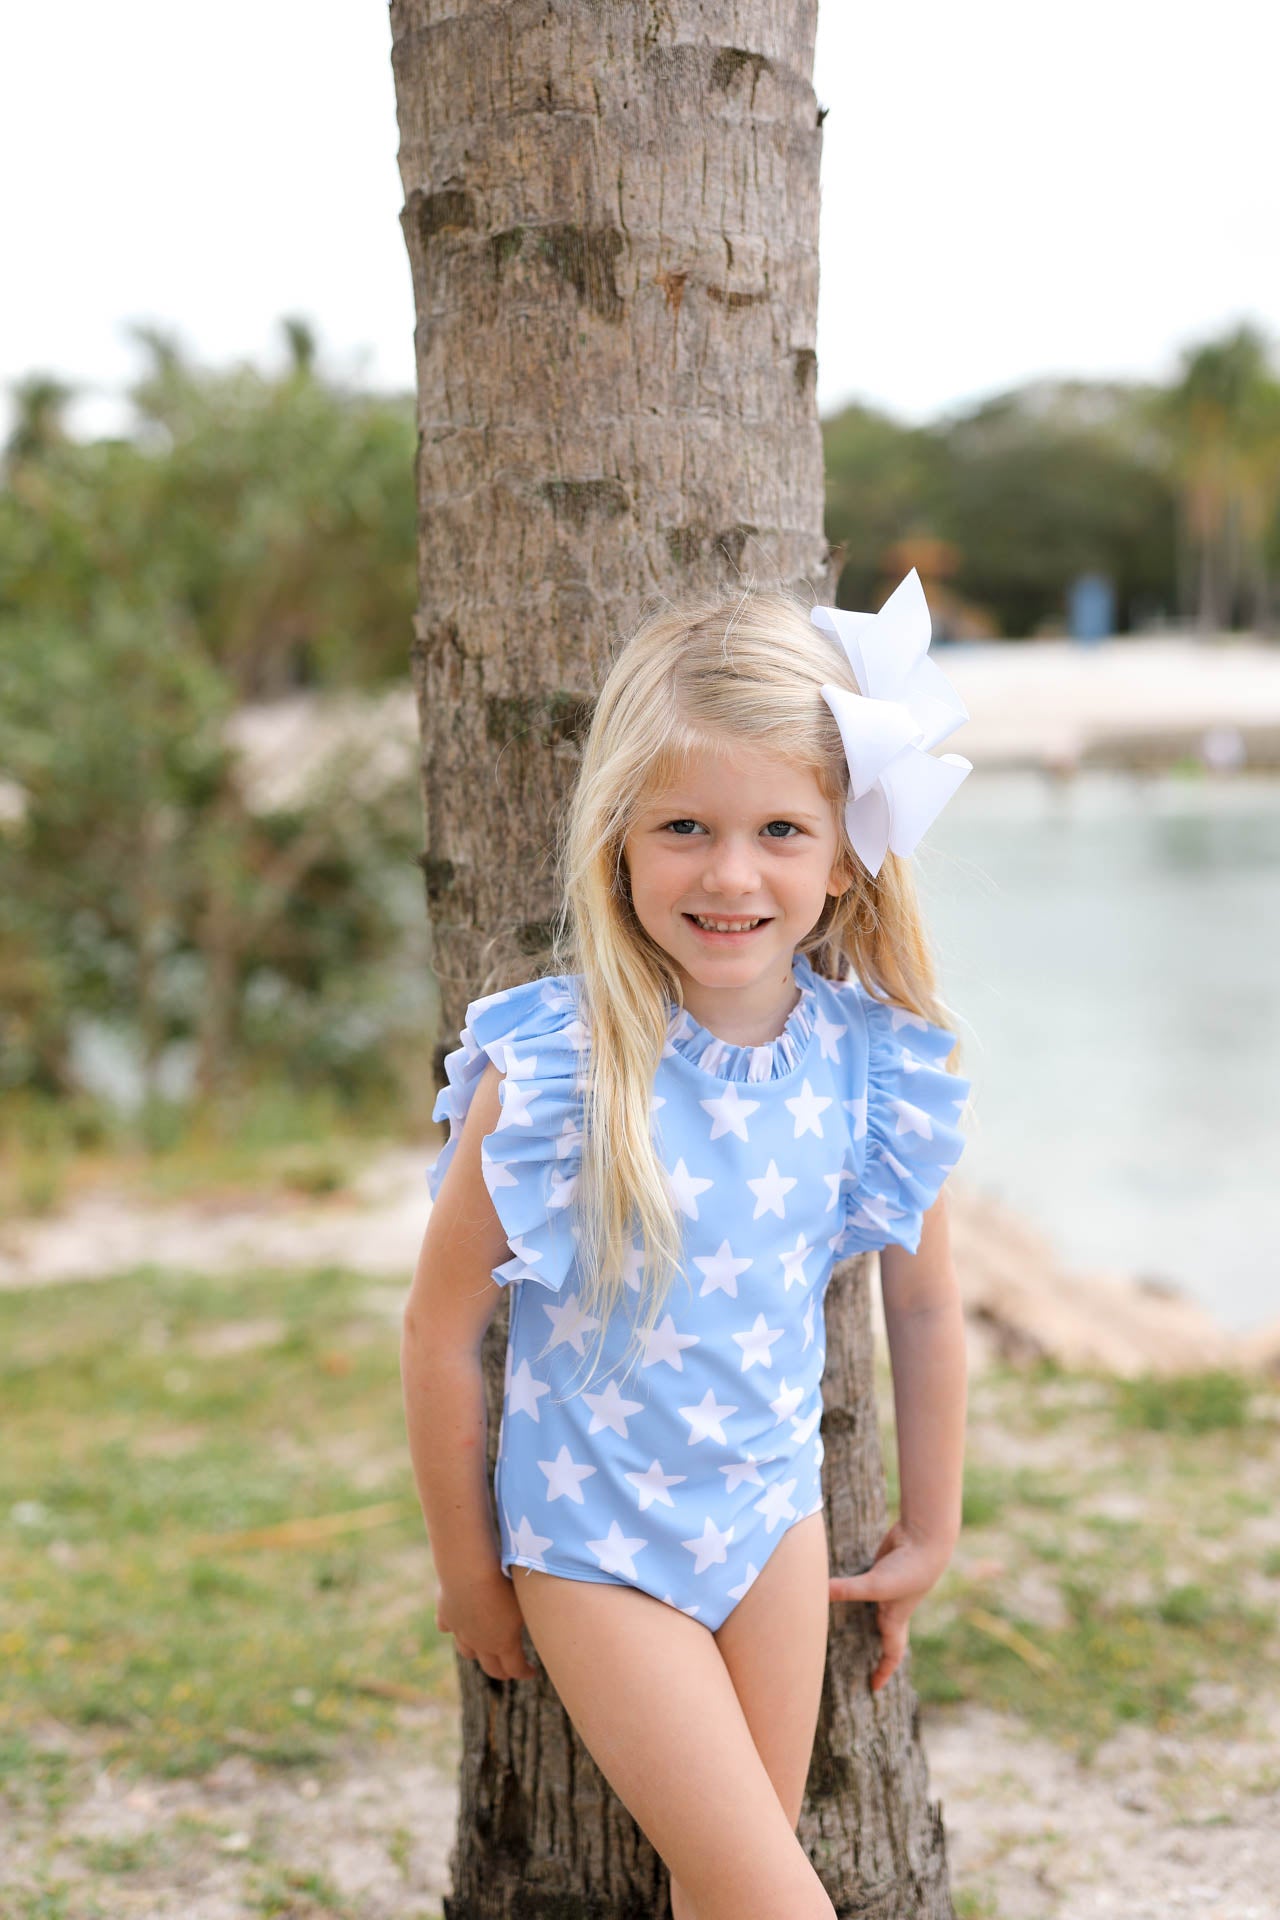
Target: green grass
point(137, 1441)
point(131, 1445)
point(267, 1135)
point(1190, 1403)
point(1147, 1611)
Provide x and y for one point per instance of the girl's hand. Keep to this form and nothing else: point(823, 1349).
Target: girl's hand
point(906, 1565)
point(485, 1620)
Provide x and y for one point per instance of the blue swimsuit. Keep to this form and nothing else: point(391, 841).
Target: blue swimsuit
point(831, 1140)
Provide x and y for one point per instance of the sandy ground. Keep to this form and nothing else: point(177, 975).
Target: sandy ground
point(1049, 702)
point(1156, 1829)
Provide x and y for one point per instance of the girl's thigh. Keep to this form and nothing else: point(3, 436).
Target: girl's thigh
point(774, 1644)
point(648, 1690)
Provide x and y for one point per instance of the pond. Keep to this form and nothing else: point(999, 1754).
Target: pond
point(1110, 946)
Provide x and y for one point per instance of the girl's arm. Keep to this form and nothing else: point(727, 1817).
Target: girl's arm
point(924, 1320)
point(451, 1302)
point(925, 1324)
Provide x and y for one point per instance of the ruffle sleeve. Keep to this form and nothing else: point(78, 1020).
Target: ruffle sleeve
point(531, 1160)
point(906, 1130)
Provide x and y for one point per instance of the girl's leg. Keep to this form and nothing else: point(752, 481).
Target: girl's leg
point(650, 1694)
point(774, 1644)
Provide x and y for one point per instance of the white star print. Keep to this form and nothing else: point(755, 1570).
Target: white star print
point(912, 1119)
point(730, 1112)
point(736, 1472)
point(527, 1256)
point(577, 1035)
point(496, 1173)
point(664, 1343)
point(788, 1400)
point(874, 1210)
point(525, 1542)
point(704, 1419)
point(757, 1344)
point(564, 1475)
point(615, 1552)
point(685, 1188)
point(804, 1429)
point(900, 1017)
point(570, 1323)
point(561, 1189)
point(652, 1485)
point(525, 1391)
point(749, 1580)
point(828, 1032)
point(720, 1270)
point(793, 1260)
point(516, 1102)
point(609, 1409)
point(834, 1182)
point(777, 1506)
point(806, 1108)
point(770, 1190)
point(709, 1546)
point(622, 1424)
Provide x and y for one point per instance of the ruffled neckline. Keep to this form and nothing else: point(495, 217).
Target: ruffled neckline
point(726, 1060)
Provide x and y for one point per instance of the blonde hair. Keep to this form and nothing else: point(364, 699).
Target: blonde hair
point(715, 668)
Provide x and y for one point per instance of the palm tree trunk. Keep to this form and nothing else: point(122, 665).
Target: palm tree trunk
point(611, 215)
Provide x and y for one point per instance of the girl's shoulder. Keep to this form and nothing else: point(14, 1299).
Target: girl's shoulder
point(546, 1010)
point(534, 1035)
point(905, 1110)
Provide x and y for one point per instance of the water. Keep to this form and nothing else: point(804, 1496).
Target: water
point(1111, 947)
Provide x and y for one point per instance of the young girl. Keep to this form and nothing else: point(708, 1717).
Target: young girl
point(733, 1079)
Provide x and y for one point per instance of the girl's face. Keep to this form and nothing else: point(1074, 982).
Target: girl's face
point(744, 837)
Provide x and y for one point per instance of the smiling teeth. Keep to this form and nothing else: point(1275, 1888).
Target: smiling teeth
point(725, 926)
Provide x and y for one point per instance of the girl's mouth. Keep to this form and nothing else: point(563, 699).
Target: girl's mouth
point(727, 931)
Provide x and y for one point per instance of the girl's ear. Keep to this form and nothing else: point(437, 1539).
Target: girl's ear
point(840, 879)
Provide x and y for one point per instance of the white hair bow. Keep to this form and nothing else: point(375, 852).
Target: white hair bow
point(897, 788)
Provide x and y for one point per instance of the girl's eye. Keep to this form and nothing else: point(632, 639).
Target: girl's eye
point(791, 828)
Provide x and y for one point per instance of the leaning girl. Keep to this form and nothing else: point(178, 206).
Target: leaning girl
point(733, 1075)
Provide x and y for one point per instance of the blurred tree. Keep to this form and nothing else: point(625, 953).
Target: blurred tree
point(253, 533)
point(1027, 491)
point(1221, 427)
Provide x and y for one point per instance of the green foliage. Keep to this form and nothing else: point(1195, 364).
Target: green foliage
point(1174, 492)
point(1019, 498)
point(255, 536)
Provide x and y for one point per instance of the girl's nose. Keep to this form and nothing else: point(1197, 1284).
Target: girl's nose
point(732, 870)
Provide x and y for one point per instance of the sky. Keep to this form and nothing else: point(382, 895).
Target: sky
point(1010, 191)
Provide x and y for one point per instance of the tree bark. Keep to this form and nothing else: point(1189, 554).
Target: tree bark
point(611, 214)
